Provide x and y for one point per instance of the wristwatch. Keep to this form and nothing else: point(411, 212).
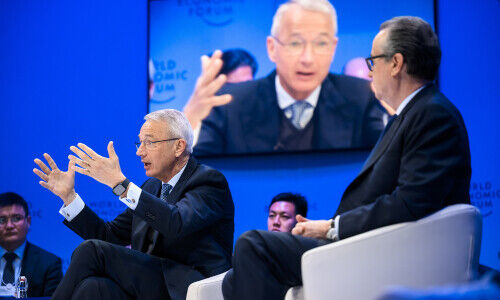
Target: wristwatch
point(121, 187)
point(332, 233)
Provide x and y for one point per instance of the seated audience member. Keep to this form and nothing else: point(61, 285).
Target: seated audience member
point(180, 222)
point(231, 66)
point(284, 210)
point(43, 270)
point(300, 105)
point(420, 164)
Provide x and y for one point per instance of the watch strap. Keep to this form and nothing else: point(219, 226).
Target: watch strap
point(121, 187)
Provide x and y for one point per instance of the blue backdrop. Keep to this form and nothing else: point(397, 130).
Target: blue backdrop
point(77, 72)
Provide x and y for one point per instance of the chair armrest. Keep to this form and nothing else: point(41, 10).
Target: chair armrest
point(440, 249)
point(206, 289)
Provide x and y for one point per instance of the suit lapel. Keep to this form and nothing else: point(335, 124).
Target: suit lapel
point(260, 119)
point(381, 147)
point(30, 260)
point(383, 144)
point(173, 197)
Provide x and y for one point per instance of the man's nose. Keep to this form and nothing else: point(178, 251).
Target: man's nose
point(9, 223)
point(140, 150)
point(308, 54)
point(277, 220)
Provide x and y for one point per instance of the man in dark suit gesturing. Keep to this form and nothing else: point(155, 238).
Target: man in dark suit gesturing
point(420, 164)
point(42, 269)
point(180, 222)
point(300, 106)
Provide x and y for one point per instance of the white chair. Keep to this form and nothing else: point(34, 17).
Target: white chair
point(206, 289)
point(442, 248)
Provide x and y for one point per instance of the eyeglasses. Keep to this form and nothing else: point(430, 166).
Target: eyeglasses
point(369, 60)
point(296, 45)
point(13, 219)
point(151, 144)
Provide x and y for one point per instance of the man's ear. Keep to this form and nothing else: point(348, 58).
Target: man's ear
point(180, 146)
point(28, 220)
point(271, 48)
point(397, 63)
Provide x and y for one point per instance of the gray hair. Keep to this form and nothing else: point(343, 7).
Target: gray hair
point(417, 42)
point(177, 124)
point(322, 6)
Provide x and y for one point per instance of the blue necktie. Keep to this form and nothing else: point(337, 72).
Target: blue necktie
point(8, 271)
point(298, 109)
point(389, 124)
point(165, 190)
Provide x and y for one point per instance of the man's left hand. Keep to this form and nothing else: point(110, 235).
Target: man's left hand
point(311, 228)
point(103, 169)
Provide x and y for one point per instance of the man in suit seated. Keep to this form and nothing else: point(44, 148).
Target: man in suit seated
point(420, 164)
point(283, 211)
point(180, 222)
point(299, 106)
point(43, 270)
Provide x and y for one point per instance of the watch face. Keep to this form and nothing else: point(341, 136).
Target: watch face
point(118, 190)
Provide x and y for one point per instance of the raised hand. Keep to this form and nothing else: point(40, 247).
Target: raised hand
point(314, 229)
point(203, 98)
point(103, 169)
point(58, 182)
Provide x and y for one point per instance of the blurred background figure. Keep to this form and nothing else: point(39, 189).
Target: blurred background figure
point(42, 269)
point(233, 66)
point(283, 210)
point(356, 67)
point(151, 74)
point(238, 65)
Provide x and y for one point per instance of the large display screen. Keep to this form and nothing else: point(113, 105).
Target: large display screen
point(346, 114)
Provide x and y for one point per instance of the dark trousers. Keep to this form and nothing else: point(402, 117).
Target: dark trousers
point(101, 270)
point(266, 264)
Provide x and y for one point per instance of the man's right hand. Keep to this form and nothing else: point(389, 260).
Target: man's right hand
point(203, 98)
point(58, 182)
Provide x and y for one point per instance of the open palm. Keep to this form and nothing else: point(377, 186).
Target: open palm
point(55, 180)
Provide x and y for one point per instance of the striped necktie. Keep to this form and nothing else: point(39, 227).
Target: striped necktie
point(298, 109)
point(165, 190)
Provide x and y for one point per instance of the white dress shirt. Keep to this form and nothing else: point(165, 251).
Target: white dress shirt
point(285, 101)
point(8, 290)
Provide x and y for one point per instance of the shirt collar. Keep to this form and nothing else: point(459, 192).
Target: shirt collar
point(19, 251)
point(285, 100)
point(407, 100)
point(173, 181)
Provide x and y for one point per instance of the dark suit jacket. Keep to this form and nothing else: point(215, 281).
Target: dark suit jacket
point(42, 269)
point(195, 233)
point(347, 116)
point(421, 165)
